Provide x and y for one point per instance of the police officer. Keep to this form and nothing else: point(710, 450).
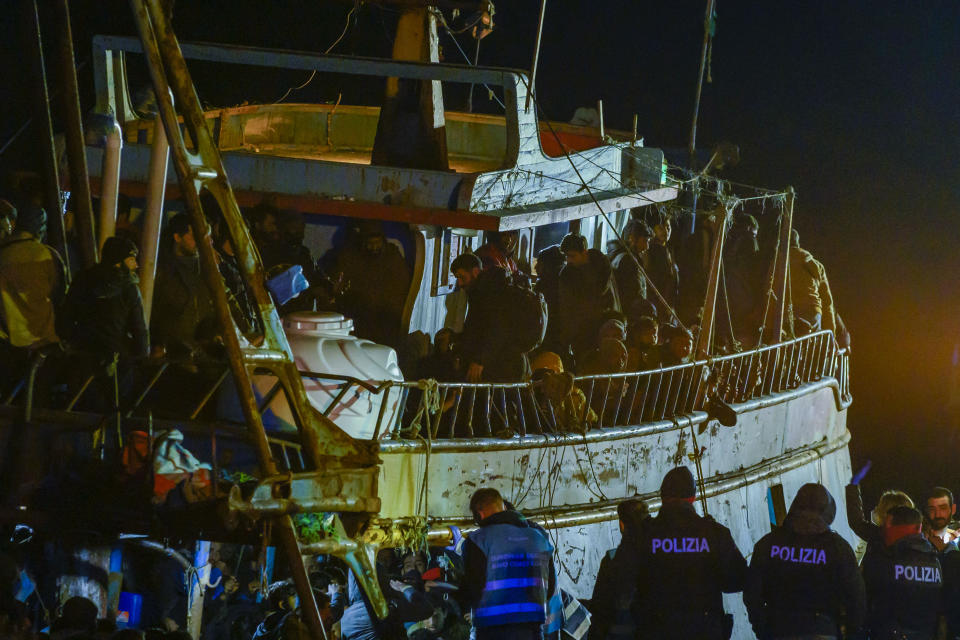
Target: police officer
point(613, 592)
point(686, 563)
point(904, 581)
point(509, 573)
point(803, 580)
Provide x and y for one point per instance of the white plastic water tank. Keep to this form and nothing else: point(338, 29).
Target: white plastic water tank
point(321, 343)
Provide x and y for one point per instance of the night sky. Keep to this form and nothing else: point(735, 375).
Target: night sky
point(857, 105)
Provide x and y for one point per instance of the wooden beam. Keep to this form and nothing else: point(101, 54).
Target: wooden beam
point(709, 313)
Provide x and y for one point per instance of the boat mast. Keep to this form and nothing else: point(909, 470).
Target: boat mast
point(709, 312)
point(396, 143)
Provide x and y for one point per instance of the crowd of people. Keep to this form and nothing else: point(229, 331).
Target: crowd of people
point(665, 580)
point(629, 309)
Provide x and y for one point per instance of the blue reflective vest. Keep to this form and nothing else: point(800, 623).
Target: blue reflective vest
point(518, 575)
point(622, 627)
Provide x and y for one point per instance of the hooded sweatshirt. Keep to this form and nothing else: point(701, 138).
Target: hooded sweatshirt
point(803, 577)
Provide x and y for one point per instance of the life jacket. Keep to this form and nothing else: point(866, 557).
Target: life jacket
point(518, 575)
point(622, 627)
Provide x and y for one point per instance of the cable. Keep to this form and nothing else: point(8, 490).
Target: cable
point(453, 37)
point(313, 73)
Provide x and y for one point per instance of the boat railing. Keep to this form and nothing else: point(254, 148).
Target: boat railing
point(466, 410)
point(428, 408)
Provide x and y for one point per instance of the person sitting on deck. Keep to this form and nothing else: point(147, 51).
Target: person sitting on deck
point(281, 621)
point(587, 291)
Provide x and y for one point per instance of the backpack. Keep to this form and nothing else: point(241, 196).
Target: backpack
point(525, 321)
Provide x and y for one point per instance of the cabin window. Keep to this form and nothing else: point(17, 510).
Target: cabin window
point(447, 246)
point(776, 505)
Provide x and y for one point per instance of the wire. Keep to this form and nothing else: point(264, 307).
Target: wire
point(313, 74)
point(451, 33)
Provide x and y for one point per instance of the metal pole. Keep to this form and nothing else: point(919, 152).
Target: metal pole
point(692, 149)
point(153, 216)
point(476, 60)
point(713, 284)
point(51, 178)
point(536, 54)
point(163, 56)
point(76, 152)
point(774, 327)
point(199, 578)
point(110, 183)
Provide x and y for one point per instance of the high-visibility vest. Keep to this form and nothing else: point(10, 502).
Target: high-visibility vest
point(518, 575)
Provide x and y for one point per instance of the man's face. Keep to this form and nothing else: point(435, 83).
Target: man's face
point(373, 244)
point(466, 278)
point(682, 346)
point(130, 262)
point(663, 231)
point(509, 241)
point(267, 229)
point(939, 511)
point(577, 258)
point(639, 243)
point(294, 230)
point(647, 336)
point(186, 244)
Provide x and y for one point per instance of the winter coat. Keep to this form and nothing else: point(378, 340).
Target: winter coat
point(803, 577)
point(631, 284)
point(360, 623)
point(486, 332)
point(103, 313)
point(611, 604)
point(904, 590)
point(826, 298)
point(804, 284)
point(31, 285)
point(586, 293)
point(182, 315)
point(665, 276)
point(869, 532)
point(686, 564)
point(377, 289)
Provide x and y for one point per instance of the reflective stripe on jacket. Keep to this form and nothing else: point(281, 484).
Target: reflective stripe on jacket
point(518, 575)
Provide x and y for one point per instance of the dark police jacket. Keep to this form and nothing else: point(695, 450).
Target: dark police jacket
point(904, 589)
point(508, 572)
point(686, 562)
point(803, 583)
point(613, 594)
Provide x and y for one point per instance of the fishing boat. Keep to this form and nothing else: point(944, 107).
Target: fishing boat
point(396, 460)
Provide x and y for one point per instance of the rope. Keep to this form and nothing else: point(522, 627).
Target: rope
point(313, 74)
point(429, 405)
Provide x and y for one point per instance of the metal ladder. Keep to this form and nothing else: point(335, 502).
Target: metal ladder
point(344, 471)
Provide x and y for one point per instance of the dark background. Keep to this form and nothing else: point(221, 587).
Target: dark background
point(855, 104)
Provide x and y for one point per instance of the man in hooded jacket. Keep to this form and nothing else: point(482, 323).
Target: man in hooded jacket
point(687, 562)
point(803, 580)
point(103, 312)
point(588, 291)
